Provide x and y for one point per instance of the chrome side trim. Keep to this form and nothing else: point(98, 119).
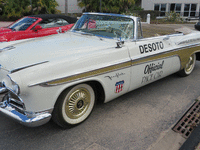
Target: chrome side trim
point(3, 90)
point(18, 69)
point(188, 41)
point(37, 119)
point(7, 48)
point(158, 37)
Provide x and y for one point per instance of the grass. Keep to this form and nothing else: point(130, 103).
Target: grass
point(152, 30)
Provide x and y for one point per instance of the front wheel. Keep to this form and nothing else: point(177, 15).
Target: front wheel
point(74, 105)
point(189, 67)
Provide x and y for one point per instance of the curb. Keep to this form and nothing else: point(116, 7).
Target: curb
point(168, 140)
point(171, 140)
point(192, 142)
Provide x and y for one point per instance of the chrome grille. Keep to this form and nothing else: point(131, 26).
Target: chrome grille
point(14, 101)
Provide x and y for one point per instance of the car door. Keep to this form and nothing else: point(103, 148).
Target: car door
point(151, 59)
point(24, 30)
point(24, 35)
point(52, 26)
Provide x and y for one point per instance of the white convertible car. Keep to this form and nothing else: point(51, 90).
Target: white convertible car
point(102, 57)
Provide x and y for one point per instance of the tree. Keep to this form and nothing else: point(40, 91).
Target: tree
point(19, 8)
point(109, 6)
point(15, 8)
point(44, 6)
point(2, 3)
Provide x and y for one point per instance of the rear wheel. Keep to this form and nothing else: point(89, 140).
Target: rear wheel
point(74, 105)
point(189, 67)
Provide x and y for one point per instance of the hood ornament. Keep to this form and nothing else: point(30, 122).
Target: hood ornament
point(120, 44)
point(59, 30)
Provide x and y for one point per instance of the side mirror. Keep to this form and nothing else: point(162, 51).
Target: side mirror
point(38, 27)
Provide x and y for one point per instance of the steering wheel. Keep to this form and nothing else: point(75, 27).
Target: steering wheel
point(119, 33)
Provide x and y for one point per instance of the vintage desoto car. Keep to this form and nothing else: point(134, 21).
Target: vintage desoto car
point(102, 57)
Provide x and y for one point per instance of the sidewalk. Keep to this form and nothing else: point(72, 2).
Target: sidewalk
point(198, 147)
point(168, 140)
point(193, 142)
point(171, 140)
point(4, 23)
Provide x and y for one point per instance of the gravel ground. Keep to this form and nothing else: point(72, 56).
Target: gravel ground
point(150, 30)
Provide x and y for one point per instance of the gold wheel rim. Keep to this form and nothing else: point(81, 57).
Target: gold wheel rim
point(77, 103)
point(190, 64)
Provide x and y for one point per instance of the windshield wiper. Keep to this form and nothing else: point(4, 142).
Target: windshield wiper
point(86, 33)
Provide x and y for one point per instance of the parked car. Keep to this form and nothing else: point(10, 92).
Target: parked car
point(101, 58)
point(197, 26)
point(36, 26)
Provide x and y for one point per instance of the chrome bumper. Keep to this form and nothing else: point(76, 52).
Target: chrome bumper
point(20, 115)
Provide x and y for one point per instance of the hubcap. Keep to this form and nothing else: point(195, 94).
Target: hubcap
point(80, 104)
point(190, 64)
point(77, 103)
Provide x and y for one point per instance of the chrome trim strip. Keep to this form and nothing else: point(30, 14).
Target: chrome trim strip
point(109, 14)
point(158, 37)
point(154, 60)
point(7, 48)
point(37, 119)
point(19, 69)
point(3, 90)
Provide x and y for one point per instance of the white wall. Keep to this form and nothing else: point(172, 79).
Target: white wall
point(70, 7)
point(149, 4)
point(61, 6)
point(73, 7)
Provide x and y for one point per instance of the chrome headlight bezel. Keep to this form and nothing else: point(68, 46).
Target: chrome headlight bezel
point(14, 86)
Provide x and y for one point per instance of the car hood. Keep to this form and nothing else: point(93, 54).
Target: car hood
point(3, 34)
point(5, 30)
point(51, 48)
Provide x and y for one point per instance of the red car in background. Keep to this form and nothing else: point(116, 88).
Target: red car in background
point(36, 26)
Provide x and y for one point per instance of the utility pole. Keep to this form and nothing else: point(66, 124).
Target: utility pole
point(31, 7)
point(85, 6)
point(66, 7)
point(100, 5)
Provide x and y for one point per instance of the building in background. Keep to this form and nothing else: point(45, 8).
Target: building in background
point(186, 8)
point(69, 6)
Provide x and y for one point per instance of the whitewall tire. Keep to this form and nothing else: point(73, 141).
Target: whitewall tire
point(74, 105)
point(189, 67)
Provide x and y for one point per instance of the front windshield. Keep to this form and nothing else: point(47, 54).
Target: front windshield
point(108, 26)
point(22, 24)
